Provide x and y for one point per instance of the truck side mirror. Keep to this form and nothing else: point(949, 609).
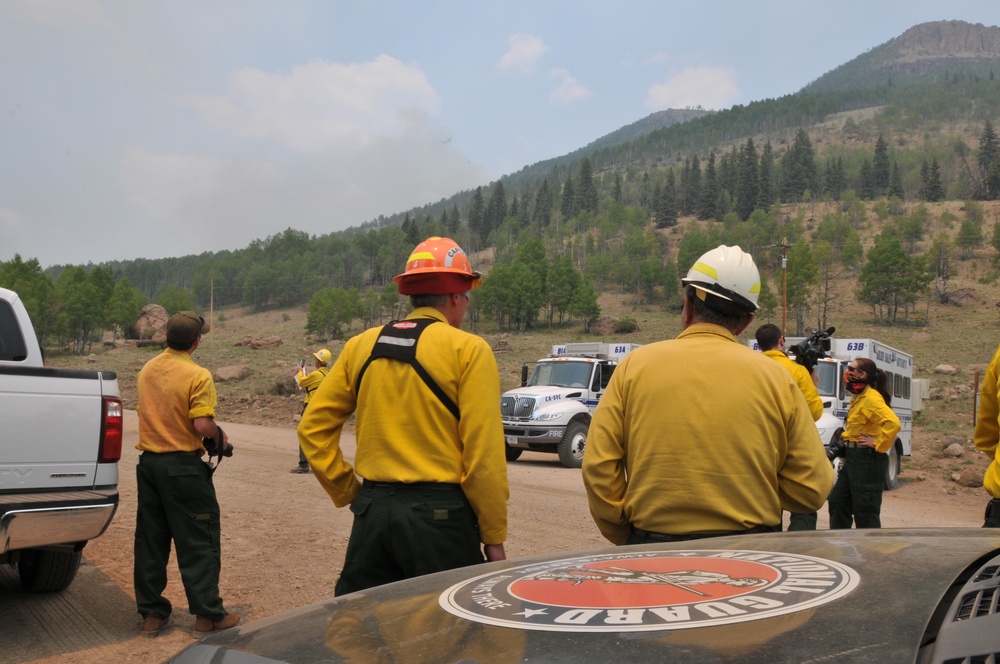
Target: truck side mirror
point(524, 375)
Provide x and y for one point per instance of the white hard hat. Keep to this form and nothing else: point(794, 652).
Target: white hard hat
point(728, 274)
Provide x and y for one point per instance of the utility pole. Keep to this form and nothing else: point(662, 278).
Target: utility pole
point(784, 285)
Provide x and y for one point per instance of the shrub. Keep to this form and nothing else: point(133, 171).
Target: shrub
point(626, 326)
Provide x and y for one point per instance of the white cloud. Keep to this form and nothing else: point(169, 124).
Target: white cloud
point(523, 54)
point(708, 87)
point(191, 203)
point(569, 90)
point(322, 104)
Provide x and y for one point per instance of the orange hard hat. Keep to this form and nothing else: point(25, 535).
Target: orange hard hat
point(437, 266)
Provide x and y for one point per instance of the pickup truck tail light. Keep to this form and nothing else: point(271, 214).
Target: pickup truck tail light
point(111, 431)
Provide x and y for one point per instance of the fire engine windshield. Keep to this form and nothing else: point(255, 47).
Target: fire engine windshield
point(561, 374)
point(829, 378)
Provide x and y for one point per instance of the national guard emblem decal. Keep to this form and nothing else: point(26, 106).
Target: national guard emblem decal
point(645, 591)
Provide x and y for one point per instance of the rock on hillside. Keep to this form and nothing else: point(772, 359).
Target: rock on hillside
point(928, 52)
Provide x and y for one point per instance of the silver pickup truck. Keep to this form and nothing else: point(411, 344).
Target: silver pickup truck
point(60, 442)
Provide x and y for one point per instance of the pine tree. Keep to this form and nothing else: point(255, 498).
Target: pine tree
point(666, 206)
point(454, 221)
point(866, 181)
point(935, 190)
point(748, 181)
point(765, 192)
point(568, 204)
point(646, 194)
point(692, 191)
point(542, 214)
point(496, 210)
point(880, 168)
point(896, 183)
point(616, 191)
point(989, 152)
point(798, 168)
point(586, 190)
point(709, 191)
point(477, 210)
point(412, 230)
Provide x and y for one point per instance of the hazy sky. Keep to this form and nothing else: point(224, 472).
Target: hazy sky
point(154, 128)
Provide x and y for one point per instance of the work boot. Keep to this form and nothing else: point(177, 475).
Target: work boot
point(300, 470)
point(203, 625)
point(153, 625)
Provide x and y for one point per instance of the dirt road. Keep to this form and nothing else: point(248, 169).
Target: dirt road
point(283, 542)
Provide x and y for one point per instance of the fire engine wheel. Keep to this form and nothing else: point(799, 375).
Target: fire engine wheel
point(572, 445)
point(892, 472)
point(513, 453)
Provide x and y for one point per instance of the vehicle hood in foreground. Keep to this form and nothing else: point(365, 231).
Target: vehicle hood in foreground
point(832, 596)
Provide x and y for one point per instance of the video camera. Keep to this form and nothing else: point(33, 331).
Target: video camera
point(211, 446)
point(836, 449)
point(812, 349)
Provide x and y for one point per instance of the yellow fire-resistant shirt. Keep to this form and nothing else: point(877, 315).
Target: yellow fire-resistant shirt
point(700, 434)
point(404, 432)
point(173, 391)
point(310, 382)
point(987, 431)
point(803, 379)
point(869, 414)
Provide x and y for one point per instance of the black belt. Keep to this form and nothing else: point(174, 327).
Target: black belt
point(851, 443)
point(422, 486)
point(663, 537)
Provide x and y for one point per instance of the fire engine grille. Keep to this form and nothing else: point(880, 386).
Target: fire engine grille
point(517, 407)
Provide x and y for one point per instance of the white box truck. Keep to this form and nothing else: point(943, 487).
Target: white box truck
point(551, 411)
point(836, 399)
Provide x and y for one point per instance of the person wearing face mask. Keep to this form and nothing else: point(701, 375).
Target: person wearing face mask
point(869, 433)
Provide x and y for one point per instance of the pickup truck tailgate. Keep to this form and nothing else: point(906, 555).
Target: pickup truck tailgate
point(52, 427)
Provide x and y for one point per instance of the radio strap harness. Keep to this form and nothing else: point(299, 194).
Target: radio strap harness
point(398, 341)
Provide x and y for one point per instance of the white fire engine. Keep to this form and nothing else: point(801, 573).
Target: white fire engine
point(551, 410)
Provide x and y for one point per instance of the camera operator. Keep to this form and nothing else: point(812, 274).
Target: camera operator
point(771, 341)
point(176, 497)
point(986, 436)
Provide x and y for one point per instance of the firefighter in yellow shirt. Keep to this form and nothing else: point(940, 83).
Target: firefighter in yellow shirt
point(986, 436)
point(700, 436)
point(771, 342)
point(870, 431)
point(308, 382)
point(432, 492)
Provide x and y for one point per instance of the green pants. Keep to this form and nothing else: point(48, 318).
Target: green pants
point(176, 501)
point(992, 518)
point(856, 498)
point(405, 530)
point(802, 521)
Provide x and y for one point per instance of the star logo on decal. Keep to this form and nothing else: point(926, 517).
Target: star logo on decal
point(528, 613)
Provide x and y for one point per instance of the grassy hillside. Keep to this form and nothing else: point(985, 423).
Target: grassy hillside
point(964, 337)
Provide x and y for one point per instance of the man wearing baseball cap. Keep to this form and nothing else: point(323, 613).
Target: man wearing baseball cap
point(176, 497)
point(428, 488)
